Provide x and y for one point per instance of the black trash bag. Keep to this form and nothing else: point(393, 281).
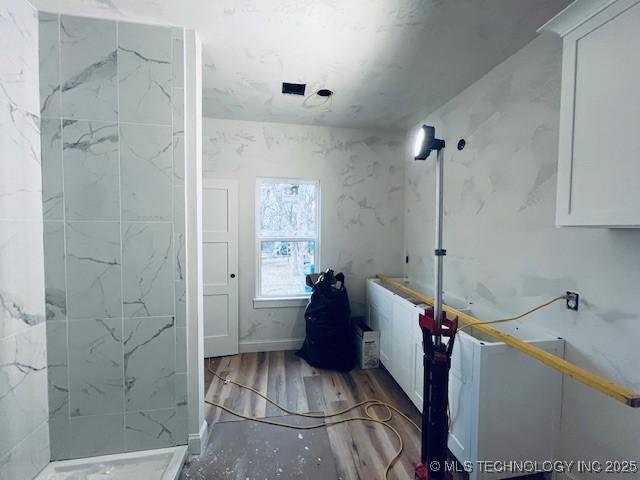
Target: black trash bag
point(329, 341)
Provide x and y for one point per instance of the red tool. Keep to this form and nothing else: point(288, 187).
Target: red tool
point(435, 419)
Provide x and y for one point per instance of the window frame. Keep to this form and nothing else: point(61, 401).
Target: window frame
point(290, 300)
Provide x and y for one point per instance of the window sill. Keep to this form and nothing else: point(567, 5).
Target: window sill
point(281, 302)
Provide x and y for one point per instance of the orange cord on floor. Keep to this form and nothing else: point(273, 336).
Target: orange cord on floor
point(367, 404)
point(369, 415)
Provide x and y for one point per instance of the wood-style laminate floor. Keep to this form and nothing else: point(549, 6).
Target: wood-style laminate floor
point(246, 450)
point(354, 450)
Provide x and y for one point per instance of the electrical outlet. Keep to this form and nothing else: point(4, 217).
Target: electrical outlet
point(573, 300)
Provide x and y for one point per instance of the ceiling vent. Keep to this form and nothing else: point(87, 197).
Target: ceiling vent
point(293, 88)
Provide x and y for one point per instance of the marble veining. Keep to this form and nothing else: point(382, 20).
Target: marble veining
point(144, 67)
point(23, 388)
point(28, 457)
point(178, 111)
point(181, 350)
point(52, 172)
point(19, 71)
point(113, 203)
point(91, 170)
point(24, 437)
point(23, 373)
point(21, 287)
point(380, 44)
point(84, 441)
point(147, 269)
point(49, 39)
point(57, 366)
point(95, 367)
point(147, 430)
point(54, 271)
point(178, 59)
point(178, 159)
point(88, 53)
point(20, 173)
point(505, 253)
point(149, 384)
point(93, 270)
point(182, 410)
point(361, 173)
point(146, 162)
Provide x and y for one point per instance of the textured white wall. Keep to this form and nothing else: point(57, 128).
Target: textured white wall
point(505, 254)
point(361, 173)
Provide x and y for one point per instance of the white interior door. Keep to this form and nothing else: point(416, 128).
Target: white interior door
point(220, 269)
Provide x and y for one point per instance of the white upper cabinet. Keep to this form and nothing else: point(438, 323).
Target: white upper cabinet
point(599, 149)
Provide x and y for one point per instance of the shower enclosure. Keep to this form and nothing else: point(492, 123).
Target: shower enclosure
point(93, 327)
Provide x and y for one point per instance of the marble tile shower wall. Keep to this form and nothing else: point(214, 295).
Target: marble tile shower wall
point(113, 199)
point(24, 434)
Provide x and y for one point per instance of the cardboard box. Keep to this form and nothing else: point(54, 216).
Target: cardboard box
point(367, 344)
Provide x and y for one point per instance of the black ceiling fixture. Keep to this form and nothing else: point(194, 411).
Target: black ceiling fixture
point(293, 88)
point(324, 92)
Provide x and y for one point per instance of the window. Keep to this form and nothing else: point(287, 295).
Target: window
point(287, 235)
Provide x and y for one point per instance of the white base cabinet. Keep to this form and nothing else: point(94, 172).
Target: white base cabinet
point(503, 404)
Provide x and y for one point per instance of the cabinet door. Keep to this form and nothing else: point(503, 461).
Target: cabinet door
point(402, 348)
point(383, 299)
point(461, 400)
point(599, 149)
point(418, 371)
point(384, 326)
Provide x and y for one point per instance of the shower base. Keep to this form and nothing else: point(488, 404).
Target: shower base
point(160, 464)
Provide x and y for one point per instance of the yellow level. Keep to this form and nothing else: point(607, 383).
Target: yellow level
point(602, 384)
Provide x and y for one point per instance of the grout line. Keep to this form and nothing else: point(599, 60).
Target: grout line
point(66, 447)
point(122, 349)
point(161, 222)
point(124, 414)
point(112, 122)
point(173, 231)
point(173, 216)
point(25, 330)
point(146, 124)
point(16, 447)
point(91, 319)
point(25, 220)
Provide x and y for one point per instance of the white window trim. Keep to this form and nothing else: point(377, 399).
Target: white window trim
point(281, 302)
point(266, 301)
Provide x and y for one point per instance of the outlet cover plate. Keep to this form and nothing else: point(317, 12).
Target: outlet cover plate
point(573, 301)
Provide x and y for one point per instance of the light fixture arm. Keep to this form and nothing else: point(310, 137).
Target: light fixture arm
point(439, 252)
point(426, 142)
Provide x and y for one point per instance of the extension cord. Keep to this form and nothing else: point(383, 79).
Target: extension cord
point(367, 404)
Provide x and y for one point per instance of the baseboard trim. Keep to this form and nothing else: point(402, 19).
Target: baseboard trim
point(198, 441)
point(271, 345)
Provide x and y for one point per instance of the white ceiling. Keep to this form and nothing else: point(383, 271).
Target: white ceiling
point(389, 62)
